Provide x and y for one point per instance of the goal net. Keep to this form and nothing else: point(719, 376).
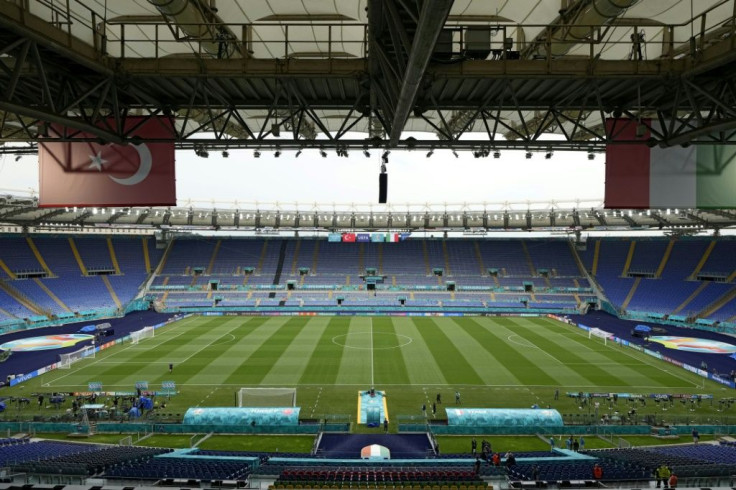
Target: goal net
point(601, 334)
point(267, 397)
point(138, 335)
point(66, 360)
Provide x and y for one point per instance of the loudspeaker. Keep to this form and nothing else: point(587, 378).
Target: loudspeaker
point(382, 188)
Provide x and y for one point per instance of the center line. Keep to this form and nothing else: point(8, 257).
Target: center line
point(371, 352)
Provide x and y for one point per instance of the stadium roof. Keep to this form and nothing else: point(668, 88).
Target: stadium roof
point(473, 219)
point(267, 73)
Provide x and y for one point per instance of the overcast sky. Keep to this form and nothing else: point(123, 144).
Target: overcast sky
point(413, 178)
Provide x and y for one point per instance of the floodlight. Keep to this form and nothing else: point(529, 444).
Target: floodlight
point(496, 154)
point(225, 154)
point(455, 153)
point(528, 155)
point(367, 153)
point(277, 153)
point(430, 153)
point(384, 157)
point(298, 153)
point(323, 153)
point(548, 155)
point(256, 154)
point(591, 156)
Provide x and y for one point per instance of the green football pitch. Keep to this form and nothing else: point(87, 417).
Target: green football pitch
point(509, 362)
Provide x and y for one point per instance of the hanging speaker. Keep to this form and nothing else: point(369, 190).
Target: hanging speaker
point(382, 187)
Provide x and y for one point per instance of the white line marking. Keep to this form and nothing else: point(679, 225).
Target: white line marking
point(372, 352)
point(645, 359)
point(98, 361)
point(515, 386)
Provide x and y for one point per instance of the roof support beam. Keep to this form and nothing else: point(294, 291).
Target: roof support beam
point(431, 19)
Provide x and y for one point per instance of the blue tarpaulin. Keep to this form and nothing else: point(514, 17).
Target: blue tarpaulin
point(643, 328)
point(88, 328)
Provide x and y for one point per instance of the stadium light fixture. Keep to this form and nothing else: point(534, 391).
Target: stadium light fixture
point(277, 153)
point(430, 152)
point(528, 155)
point(548, 155)
point(225, 154)
point(299, 152)
point(384, 157)
point(455, 153)
point(367, 153)
point(323, 153)
point(496, 154)
point(256, 154)
point(591, 156)
point(17, 157)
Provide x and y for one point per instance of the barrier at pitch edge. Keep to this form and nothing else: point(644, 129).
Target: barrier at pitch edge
point(700, 372)
point(106, 345)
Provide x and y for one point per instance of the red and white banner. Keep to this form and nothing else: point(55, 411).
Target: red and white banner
point(92, 174)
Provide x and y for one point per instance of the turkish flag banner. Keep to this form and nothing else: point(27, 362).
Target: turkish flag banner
point(84, 173)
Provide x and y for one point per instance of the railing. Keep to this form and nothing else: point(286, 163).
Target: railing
point(123, 38)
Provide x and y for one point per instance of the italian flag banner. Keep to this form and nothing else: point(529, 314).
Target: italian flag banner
point(639, 177)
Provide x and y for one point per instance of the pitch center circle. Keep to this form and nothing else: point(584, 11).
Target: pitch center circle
point(362, 340)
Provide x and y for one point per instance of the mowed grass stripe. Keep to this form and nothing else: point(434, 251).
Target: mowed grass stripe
point(421, 365)
point(177, 346)
point(184, 365)
point(324, 363)
point(388, 363)
point(289, 367)
point(232, 364)
point(562, 349)
point(494, 370)
point(452, 361)
point(115, 363)
point(355, 365)
point(252, 370)
point(553, 365)
point(652, 369)
point(224, 355)
point(596, 354)
point(522, 363)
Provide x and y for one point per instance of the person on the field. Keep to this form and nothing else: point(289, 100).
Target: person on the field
point(457, 398)
point(474, 446)
point(673, 480)
point(434, 408)
point(385, 425)
point(171, 367)
point(439, 398)
point(424, 409)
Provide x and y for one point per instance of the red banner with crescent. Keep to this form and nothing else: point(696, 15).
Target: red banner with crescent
point(88, 173)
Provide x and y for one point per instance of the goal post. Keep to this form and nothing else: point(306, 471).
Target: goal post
point(138, 335)
point(66, 360)
point(601, 334)
point(266, 397)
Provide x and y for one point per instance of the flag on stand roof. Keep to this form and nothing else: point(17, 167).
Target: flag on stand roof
point(700, 175)
point(88, 173)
